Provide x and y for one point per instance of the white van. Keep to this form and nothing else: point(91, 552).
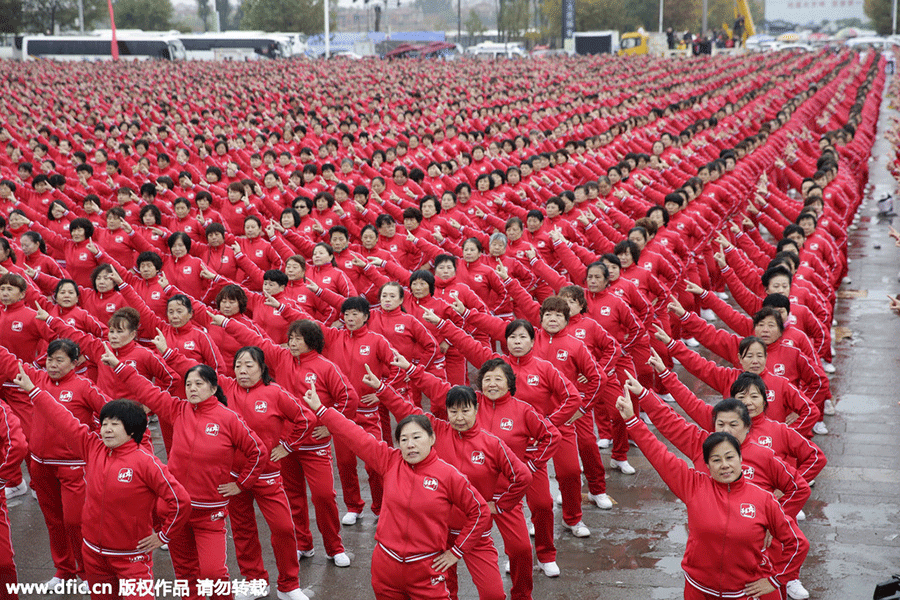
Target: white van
point(491, 50)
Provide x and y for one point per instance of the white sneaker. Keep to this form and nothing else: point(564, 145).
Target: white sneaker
point(164, 547)
point(646, 419)
point(623, 466)
point(828, 367)
point(668, 398)
point(829, 408)
point(708, 314)
point(340, 560)
point(264, 593)
point(34, 494)
point(820, 429)
point(301, 554)
point(550, 569)
point(506, 568)
point(294, 595)
point(350, 518)
point(19, 490)
point(601, 500)
point(54, 581)
point(801, 516)
point(530, 528)
point(722, 295)
point(604, 443)
point(796, 590)
point(558, 498)
point(691, 342)
point(579, 529)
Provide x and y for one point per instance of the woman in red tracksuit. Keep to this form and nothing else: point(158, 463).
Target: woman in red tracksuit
point(551, 394)
point(295, 369)
point(100, 300)
point(57, 473)
point(410, 338)
point(783, 401)
point(80, 254)
point(281, 422)
point(422, 493)
point(127, 490)
point(489, 465)
point(532, 438)
point(728, 519)
point(749, 388)
point(13, 450)
point(121, 336)
point(571, 357)
point(207, 438)
point(783, 358)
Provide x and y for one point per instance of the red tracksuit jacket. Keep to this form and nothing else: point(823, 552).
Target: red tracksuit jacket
point(488, 463)
point(727, 524)
point(206, 438)
point(123, 486)
point(418, 499)
point(531, 437)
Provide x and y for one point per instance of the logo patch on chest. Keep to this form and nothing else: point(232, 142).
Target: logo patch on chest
point(125, 475)
point(430, 483)
point(212, 429)
point(748, 510)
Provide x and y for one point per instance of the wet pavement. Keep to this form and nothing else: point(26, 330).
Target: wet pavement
point(635, 550)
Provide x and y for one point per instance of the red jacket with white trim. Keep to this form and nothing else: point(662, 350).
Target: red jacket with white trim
point(418, 499)
point(123, 485)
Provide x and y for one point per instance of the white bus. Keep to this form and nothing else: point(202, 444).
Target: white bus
point(236, 45)
point(145, 46)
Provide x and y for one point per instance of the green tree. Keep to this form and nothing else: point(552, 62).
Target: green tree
point(10, 16)
point(42, 16)
point(473, 24)
point(149, 15)
point(204, 11)
point(880, 13)
point(283, 15)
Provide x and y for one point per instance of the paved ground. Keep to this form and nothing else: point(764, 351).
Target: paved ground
point(635, 551)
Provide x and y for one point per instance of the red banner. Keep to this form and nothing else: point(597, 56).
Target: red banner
point(112, 21)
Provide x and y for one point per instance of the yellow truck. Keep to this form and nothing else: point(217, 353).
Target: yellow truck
point(642, 43)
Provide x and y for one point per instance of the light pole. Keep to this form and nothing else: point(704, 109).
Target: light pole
point(327, 33)
point(894, 17)
point(661, 14)
point(705, 11)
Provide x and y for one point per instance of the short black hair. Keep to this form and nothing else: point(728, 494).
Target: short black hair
point(130, 413)
point(461, 396)
point(150, 257)
point(496, 363)
point(276, 276)
point(358, 303)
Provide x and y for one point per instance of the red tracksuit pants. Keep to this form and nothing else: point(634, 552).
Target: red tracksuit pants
point(199, 549)
point(568, 476)
point(7, 556)
point(60, 492)
point(395, 580)
point(540, 503)
point(692, 593)
point(273, 503)
point(103, 569)
point(609, 422)
point(590, 455)
point(21, 406)
point(517, 547)
point(346, 464)
point(481, 562)
point(312, 467)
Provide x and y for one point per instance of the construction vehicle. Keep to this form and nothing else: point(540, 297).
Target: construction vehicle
point(741, 9)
